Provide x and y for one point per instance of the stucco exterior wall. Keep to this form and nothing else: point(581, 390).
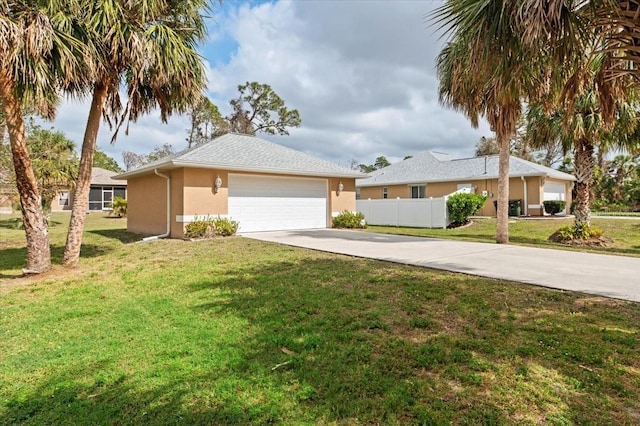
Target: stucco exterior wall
point(346, 200)
point(192, 194)
point(393, 191)
point(534, 185)
point(147, 205)
point(177, 201)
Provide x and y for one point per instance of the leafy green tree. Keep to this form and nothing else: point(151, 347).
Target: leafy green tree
point(54, 162)
point(149, 48)
point(380, 163)
point(102, 160)
point(259, 109)
point(206, 122)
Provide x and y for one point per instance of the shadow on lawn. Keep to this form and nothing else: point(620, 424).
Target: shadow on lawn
point(351, 344)
point(121, 235)
point(330, 339)
point(15, 258)
point(99, 395)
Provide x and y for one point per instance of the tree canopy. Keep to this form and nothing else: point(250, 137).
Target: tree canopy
point(102, 160)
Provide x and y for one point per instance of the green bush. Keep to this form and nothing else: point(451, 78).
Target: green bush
point(200, 228)
point(207, 227)
point(225, 227)
point(579, 231)
point(462, 206)
point(554, 206)
point(349, 220)
point(119, 206)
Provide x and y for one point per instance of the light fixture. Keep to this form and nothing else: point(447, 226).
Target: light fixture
point(217, 184)
point(340, 188)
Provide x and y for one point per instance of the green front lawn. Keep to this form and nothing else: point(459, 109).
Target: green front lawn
point(235, 331)
point(534, 232)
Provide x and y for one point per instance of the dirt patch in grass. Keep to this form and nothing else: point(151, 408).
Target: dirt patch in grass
point(600, 241)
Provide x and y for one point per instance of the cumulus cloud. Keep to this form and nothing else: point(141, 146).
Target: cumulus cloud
point(361, 73)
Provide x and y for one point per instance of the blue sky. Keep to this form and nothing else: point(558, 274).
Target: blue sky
point(361, 73)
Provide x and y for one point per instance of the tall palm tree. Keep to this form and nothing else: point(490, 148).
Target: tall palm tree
point(581, 130)
point(35, 52)
point(148, 46)
point(485, 70)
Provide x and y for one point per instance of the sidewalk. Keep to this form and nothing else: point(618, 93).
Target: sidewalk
point(597, 274)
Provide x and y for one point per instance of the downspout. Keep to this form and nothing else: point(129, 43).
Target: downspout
point(526, 198)
point(166, 234)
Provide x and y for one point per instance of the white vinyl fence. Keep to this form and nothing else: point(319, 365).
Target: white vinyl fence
point(415, 212)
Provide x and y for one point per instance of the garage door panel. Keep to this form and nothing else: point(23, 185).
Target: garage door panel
point(554, 191)
point(261, 203)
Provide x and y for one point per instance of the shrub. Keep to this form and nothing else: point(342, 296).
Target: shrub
point(350, 220)
point(579, 231)
point(119, 206)
point(554, 206)
point(462, 206)
point(200, 228)
point(225, 227)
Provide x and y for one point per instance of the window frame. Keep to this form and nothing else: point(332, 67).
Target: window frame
point(421, 191)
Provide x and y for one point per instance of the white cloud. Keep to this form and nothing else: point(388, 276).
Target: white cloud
point(361, 73)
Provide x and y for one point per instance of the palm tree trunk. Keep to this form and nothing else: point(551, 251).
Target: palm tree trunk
point(502, 236)
point(583, 169)
point(83, 184)
point(35, 223)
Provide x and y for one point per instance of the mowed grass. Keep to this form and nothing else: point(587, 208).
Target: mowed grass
point(235, 331)
point(534, 232)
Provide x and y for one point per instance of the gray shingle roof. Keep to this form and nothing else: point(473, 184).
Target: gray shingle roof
point(248, 153)
point(436, 167)
point(104, 177)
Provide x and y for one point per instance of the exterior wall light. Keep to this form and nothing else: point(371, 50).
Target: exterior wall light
point(217, 184)
point(340, 188)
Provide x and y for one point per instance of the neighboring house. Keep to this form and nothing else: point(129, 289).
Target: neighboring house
point(102, 191)
point(262, 185)
point(433, 174)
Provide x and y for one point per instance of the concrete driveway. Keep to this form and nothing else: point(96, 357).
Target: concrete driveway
point(602, 275)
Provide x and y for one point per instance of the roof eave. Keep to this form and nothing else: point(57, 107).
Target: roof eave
point(462, 179)
point(220, 166)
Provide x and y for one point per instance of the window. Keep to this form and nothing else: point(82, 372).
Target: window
point(419, 191)
point(100, 198)
point(63, 198)
point(357, 193)
point(384, 192)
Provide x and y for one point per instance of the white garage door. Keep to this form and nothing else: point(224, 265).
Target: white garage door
point(262, 203)
point(554, 191)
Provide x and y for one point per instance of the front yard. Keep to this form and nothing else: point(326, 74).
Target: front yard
point(236, 331)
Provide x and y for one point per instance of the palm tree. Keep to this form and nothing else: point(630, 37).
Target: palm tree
point(35, 52)
point(484, 70)
point(582, 129)
point(150, 47)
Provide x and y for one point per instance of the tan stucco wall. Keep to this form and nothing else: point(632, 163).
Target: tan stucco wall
point(199, 195)
point(192, 194)
point(439, 189)
point(347, 198)
point(147, 204)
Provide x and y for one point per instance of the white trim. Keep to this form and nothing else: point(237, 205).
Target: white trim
point(534, 206)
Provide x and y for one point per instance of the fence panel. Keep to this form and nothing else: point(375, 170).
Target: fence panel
point(420, 213)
